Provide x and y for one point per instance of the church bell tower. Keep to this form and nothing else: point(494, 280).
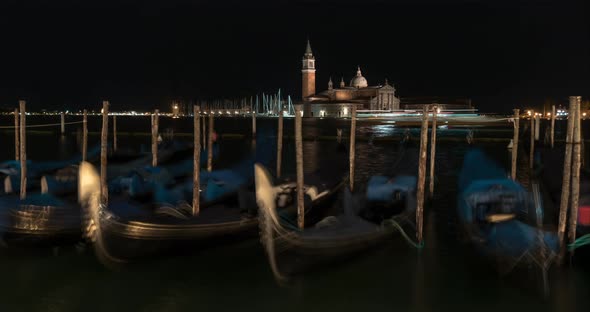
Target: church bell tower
point(308, 73)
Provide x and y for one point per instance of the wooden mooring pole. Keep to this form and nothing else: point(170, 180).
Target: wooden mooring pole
point(576, 164)
point(204, 130)
point(253, 121)
point(63, 123)
point(299, 166)
point(421, 174)
point(433, 149)
point(210, 144)
point(567, 166)
point(104, 137)
point(532, 146)
point(155, 139)
point(552, 135)
point(196, 160)
point(537, 126)
point(582, 142)
point(16, 136)
point(279, 143)
point(352, 145)
point(515, 143)
point(23, 149)
point(114, 133)
point(85, 136)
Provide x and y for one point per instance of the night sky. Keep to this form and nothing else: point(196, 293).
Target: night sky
point(144, 54)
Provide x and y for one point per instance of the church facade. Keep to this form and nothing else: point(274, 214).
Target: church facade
point(337, 101)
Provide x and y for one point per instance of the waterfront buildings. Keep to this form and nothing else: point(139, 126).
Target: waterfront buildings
point(336, 101)
point(375, 100)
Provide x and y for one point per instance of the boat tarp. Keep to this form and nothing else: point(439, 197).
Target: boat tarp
point(382, 188)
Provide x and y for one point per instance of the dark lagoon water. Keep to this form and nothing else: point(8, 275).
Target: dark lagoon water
point(447, 275)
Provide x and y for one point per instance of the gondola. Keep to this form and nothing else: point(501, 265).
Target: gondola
point(54, 217)
point(291, 250)
point(125, 230)
point(493, 211)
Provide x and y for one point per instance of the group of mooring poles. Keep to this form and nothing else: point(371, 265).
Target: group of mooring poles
point(422, 159)
point(570, 192)
point(154, 136)
point(535, 125)
point(423, 156)
point(20, 141)
point(299, 157)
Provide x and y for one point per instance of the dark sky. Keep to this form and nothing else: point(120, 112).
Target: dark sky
point(143, 54)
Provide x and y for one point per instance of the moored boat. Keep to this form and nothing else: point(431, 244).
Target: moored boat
point(291, 250)
point(492, 210)
point(127, 230)
point(54, 217)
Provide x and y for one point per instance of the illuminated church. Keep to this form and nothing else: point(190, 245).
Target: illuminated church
point(336, 101)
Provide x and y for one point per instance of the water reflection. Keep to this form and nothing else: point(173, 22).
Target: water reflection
point(63, 147)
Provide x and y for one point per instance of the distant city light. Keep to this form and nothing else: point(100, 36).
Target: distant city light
point(561, 113)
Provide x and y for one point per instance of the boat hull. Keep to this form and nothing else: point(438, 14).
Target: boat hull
point(295, 255)
point(41, 221)
point(130, 241)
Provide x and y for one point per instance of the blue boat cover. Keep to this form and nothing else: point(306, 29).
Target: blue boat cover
point(485, 190)
point(382, 188)
point(37, 169)
point(214, 185)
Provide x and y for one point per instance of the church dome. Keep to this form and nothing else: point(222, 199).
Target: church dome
point(359, 81)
